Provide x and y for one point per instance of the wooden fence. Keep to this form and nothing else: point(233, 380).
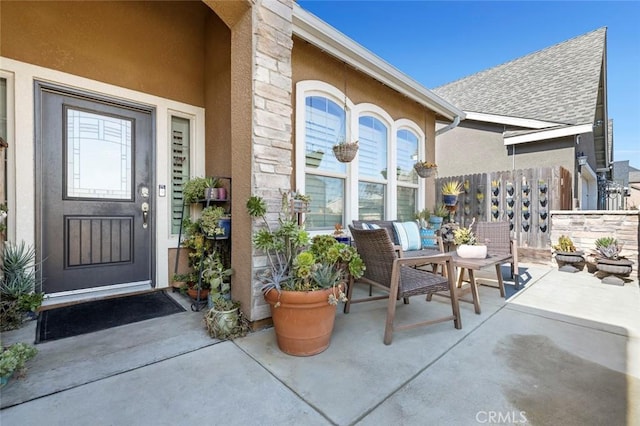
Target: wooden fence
point(522, 197)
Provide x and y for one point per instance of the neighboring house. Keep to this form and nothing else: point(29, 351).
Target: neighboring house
point(110, 106)
point(541, 110)
point(634, 188)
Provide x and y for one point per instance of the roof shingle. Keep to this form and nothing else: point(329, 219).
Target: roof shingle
point(558, 84)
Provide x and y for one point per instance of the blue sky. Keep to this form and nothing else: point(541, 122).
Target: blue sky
point(436, 42)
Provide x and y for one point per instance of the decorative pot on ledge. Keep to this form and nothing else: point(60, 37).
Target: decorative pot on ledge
point(621, 267)
point(570, 261)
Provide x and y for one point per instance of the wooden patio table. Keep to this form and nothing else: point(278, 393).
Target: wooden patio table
point(469, 266)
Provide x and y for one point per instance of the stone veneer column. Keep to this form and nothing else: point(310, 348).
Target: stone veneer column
point(272, 146)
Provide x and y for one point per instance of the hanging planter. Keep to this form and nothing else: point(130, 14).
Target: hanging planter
point(345, 152)
point(425, 169)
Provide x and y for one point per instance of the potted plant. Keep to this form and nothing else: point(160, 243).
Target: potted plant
point(425, 168)
point(608, 257)
point(566, 253)
point(19, 298)
point(467, 243)
point(450, 191)
point(303, 282)
point(223, 319)
point(215, 276)
point(437, 215)
point(215, 223)
point(495, 187)
point(345, 151)
point(195, 189)
point(13, 359)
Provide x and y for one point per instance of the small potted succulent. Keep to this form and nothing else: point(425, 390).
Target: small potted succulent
point(467, 243)
point(567, 254)
point(608, 258)
point(450, 191)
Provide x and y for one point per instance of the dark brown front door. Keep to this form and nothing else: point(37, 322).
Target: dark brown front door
point(94, 193)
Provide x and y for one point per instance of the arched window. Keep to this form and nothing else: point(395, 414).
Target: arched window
point(372, 166)
point(325, 125)
point(407, 152)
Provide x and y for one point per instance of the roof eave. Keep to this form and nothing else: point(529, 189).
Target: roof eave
point(549, 134)
point(322, 35)
point(510, 120)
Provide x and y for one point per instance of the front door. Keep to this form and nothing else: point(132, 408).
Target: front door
point(93, 190)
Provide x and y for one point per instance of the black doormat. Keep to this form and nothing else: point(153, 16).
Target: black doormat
point(88, 317)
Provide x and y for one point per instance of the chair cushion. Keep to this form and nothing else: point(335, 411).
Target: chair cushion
point(408, 235)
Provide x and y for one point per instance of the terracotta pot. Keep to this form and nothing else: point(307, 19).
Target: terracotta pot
point(192, 291)
point(303, 321)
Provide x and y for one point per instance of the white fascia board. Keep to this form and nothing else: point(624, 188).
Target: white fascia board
point(511, 121)
point(322, 35)
point(549, 134)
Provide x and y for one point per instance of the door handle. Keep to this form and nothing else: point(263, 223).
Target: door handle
point(145, 214)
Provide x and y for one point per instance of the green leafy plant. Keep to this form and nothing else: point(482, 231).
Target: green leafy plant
point(14, 357)
point(18, 269)
point(440, 210)
point(194, 189)
point(423, 217)
point(210, 219)
point(215, 276)
point(293, 263)
point(565, 244)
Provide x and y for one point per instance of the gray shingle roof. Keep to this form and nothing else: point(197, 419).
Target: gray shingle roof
point(559, 83)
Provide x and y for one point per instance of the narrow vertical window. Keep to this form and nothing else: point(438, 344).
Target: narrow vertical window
point(325, 176)
point(180, 144)
point(372, 168)
point(406, 154)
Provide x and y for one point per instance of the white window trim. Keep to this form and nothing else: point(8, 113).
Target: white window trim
point(352, 114)
point(21, 118)
point(11, 152)
point(372, 110)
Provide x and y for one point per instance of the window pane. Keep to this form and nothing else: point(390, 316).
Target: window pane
point(179, 167)
point(406, 203)
point(98, 157)
point(327, 202)
point(325, 126)
point(371, 201)
point(373, 148)
point(407, 155)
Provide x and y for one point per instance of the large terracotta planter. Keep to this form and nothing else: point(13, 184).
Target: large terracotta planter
point(303, 320)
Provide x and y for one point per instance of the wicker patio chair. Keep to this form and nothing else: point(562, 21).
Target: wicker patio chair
point(497, 237)
point(400, 278)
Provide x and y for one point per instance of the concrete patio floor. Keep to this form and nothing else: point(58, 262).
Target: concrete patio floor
point(563, 350)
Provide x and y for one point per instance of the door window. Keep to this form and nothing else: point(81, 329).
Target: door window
point(98, 156)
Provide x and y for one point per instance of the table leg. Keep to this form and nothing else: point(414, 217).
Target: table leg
point(500, 281)
point(474, 291)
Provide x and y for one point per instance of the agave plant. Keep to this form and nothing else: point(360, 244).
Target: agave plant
point(608, 248)
point(18, 270)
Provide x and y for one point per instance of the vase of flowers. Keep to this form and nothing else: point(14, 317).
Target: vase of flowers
point(467, 243)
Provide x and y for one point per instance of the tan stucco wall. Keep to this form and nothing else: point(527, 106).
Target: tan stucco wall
point(152, 47)
point(483, 150)
point(309, 63)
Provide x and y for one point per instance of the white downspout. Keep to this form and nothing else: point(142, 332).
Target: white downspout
point(451, 126)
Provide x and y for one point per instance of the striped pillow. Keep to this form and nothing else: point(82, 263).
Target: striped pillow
point(408, 235)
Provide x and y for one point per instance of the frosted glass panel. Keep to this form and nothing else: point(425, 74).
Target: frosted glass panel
point(98, 157)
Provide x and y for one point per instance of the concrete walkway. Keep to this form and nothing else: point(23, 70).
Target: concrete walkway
point(564, 350)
